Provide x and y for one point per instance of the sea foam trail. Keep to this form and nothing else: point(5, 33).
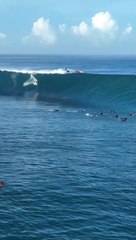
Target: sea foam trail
point(82, 89)
point(42, 71)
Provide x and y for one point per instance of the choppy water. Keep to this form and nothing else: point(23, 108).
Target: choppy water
point(68, 173)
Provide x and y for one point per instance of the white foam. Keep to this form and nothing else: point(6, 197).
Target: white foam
point(30, 81)
point(42, 71)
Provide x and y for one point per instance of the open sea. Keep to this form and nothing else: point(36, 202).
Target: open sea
point(67, 147)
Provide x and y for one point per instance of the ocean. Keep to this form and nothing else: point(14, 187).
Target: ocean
point(68, 147)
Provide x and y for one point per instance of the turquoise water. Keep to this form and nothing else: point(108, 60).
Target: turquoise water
point(69, 171)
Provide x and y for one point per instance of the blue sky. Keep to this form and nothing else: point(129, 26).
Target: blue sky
point(68, 27)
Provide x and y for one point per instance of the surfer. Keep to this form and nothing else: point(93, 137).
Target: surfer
point(123, 119)
point(56, 110)
point(67, 71)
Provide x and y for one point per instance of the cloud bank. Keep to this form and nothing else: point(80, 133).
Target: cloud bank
point(102, 25)
point(100, 30)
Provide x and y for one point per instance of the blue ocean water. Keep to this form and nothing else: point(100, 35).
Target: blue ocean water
point(67, 148)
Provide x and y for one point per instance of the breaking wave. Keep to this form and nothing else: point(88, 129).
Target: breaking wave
point(98, 90)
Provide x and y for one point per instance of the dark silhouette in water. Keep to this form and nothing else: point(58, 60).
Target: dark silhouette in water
point(123, 119)
point(2, 184)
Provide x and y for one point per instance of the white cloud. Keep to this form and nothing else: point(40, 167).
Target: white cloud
point(2, 36)
point(128, 30)
point(41, 29)
point(62, 28)
point(104, 22)
point(101, 31)
point(82, 29)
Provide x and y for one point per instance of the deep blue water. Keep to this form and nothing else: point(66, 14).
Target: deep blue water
point(69, 171)
point(91, 64)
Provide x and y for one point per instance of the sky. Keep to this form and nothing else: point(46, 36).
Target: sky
point(68, 27)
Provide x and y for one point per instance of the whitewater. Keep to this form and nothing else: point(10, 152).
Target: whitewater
point(67, 147)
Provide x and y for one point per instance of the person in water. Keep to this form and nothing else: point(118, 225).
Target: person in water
point(2, 184)
point(66, 70)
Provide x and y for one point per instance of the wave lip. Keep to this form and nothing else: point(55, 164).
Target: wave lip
point(42, 71)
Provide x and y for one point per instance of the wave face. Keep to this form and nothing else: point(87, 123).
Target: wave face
point(90, 90)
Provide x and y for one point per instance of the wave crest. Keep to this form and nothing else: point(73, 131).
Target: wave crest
point(82, 89)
